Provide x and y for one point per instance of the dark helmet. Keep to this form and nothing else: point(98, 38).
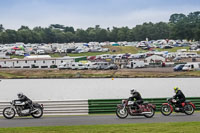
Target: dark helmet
point(133, 91)
point(20, 95)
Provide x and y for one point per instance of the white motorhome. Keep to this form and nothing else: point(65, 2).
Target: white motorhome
point(102, 65)
point(191, 66)
point(136, 64)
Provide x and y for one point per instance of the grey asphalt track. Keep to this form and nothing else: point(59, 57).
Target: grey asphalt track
point(93, 120)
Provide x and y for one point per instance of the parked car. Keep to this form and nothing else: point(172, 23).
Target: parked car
point(40, 51)
point(64, 66)
point(125, 56)
point(119, 56)
point(112, 67)
point(178, 67)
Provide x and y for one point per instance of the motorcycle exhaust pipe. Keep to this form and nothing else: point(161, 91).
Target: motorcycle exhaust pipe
point(146, 112)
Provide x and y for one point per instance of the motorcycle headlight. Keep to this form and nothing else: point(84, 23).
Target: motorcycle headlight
point(173, 100)
point(123, 101)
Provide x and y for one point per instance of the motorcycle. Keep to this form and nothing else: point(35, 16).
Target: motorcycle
point(126, 108)
point(187, 107)
point(21, 109)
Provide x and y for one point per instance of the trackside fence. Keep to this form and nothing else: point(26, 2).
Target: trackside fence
point(67, 107)
point(97, 106)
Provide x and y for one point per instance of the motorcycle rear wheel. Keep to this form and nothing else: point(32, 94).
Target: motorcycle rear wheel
point(166, 110)
point(151, 114)
point(9, 113)
point(188, 109)
point(121, 113)
point(38, 113)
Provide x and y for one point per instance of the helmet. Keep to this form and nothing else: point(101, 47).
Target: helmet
point(20, 95)
point(176, 89)
point(133, 91)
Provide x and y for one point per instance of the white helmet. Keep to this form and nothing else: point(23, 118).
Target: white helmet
point(133, 91)
point(20, 95)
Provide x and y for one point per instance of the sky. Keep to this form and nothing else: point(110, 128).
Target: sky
point(88, 13)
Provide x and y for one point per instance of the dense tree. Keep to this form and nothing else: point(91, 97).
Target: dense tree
point(1, 28)
point(81, 35)
point(180, 26)
point(175, 18)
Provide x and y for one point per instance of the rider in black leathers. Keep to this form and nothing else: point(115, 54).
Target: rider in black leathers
point(179, 96)
point(23, 98)
point(136, 97)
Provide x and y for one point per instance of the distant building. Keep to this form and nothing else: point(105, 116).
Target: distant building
point(34, 62)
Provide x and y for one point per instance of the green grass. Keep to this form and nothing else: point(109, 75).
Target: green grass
point(17, 56)
point(88, 54)
point(117, 49)
point(125, 49)
point(57, 55)
point(181, 127)
point(174, 49)
point(18, 73)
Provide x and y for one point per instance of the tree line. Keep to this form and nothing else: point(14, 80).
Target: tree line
point(180, 26)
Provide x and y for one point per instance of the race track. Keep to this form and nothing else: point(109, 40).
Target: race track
point(93, 120)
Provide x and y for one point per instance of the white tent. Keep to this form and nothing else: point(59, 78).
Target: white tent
point(154, 58)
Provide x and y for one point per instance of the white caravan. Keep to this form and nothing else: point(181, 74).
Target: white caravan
point(136, 64)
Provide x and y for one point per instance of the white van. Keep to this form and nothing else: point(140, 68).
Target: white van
point(78, 66)
point(135, 64)
point(191, 66)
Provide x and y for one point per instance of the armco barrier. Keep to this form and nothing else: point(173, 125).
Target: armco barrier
point(67, 107)
point(92, 106)
point(109, 105)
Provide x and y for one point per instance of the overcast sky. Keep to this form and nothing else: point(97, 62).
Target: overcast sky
point(88, 13)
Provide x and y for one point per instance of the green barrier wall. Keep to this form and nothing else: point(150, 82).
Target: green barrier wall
point(97, 106)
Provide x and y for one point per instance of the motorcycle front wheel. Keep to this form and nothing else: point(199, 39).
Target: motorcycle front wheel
point(38, 113)
point(9, 113)
point(121, 113)
point(166, 110)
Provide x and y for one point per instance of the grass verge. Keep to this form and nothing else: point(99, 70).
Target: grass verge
point(54, 73)
point(180, 127)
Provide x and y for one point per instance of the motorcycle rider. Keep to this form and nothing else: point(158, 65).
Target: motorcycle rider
point(136, 97)
point(23, 98)
point(179, 96)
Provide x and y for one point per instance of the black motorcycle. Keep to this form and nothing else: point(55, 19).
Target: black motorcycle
point(187, 107)
point(22, 110)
